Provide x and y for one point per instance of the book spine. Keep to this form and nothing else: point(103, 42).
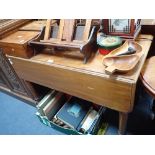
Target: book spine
point(80, 125)
point(46, 99)
point(97, 121)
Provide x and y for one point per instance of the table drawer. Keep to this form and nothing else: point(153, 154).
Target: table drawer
point(90, 86)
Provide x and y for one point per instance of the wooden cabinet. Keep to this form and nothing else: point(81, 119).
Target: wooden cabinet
point(9, 81)
point(9, 76)
point(3, 80)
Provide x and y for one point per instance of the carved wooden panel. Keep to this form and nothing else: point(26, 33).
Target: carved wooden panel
point(7, 25)
point(3, 81)
point(13, 80)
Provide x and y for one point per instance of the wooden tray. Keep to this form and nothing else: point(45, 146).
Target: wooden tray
point(125, 47)
point(115, 61)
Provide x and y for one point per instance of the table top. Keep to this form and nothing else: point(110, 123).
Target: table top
point(94, 66)
point(19, 37)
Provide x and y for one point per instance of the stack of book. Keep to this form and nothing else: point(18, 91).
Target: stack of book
point(69, 112)
point(51, 103)
point(77, 114)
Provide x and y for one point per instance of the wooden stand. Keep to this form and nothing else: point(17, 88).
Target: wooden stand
point(70, 34)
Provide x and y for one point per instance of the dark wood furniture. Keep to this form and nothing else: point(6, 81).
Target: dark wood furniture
point(87, 81)
point(12, 83)
point(147, 76)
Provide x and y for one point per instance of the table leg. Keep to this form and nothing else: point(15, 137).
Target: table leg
point(122, 122)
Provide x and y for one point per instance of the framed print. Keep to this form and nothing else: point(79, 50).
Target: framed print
point(126, 28)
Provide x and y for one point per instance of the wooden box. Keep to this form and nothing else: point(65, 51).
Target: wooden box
point(16, 44)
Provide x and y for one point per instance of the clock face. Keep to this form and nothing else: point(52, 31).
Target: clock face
point(119, 25)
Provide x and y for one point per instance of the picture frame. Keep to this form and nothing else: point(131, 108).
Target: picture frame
point(125, 28)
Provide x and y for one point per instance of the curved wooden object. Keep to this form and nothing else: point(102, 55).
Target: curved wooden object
point(147, 75)
point(123, 63)
point(124, 48)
